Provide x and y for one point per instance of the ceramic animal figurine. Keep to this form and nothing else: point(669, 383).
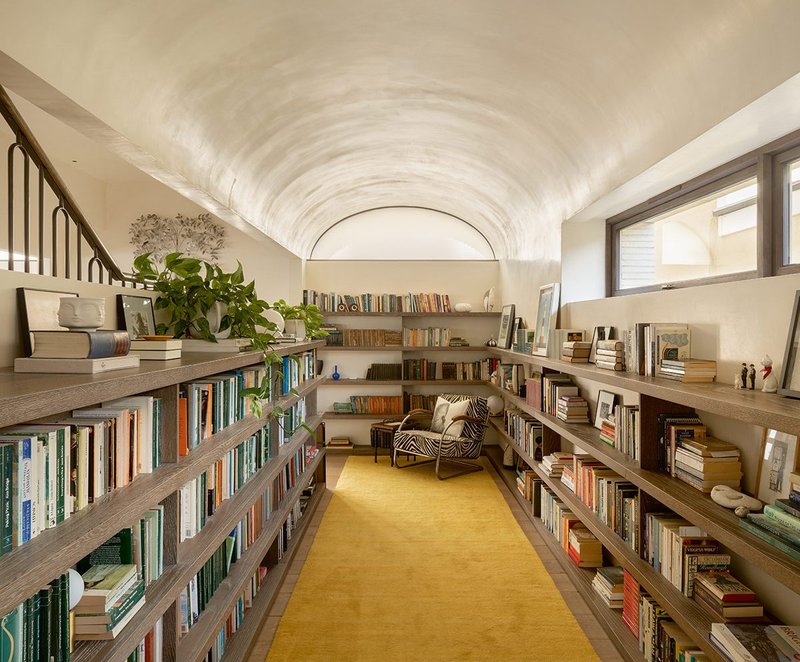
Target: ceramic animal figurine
point(729, 498)
point(82, 314)
point(770, 378)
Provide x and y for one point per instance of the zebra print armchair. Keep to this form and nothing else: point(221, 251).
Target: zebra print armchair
point(455, 434)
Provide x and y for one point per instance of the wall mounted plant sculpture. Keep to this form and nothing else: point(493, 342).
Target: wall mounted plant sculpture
point(193, 236)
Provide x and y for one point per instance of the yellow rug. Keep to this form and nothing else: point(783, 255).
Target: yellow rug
point(407, 567)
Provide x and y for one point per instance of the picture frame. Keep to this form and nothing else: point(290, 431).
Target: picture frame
point(789, 384)
point(599, 333)
point(605, 406)
point(136, 315)
point(546, 317)
point(38, 311)
point(777, 461)
point(506, 324)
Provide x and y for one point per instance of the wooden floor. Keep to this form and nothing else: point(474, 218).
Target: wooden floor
point(335, 463)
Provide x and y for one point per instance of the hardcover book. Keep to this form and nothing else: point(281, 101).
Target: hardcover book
point(79, 344)
point(75, 366)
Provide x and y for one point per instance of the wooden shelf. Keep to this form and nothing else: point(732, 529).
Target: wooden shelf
point(763, 409)
point(720, 523)
point(403, 348)
point(195, 644)
point(690, 616)
point(404, 382)
point(339, 313)
point(610, 620)
point(26, 397)
point(52, 552)
point(331, 416)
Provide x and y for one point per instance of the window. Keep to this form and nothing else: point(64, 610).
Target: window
point(787, 175)
point(706, 234)
point(402, 233)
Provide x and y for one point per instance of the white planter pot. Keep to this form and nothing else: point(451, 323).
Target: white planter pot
point(214, 317)
point(296, 328)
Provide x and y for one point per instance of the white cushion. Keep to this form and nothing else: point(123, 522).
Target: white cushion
point(445, 412)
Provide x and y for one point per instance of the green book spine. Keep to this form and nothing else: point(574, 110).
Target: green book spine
point(766, 536)
point(776, 528)
point(45, 596)
point(35, 622)
point(143, 547)
point(74, 453)
point(64, 613)
point(6, 498)
point(61, 469)
point(55, 621)
point(156, 433)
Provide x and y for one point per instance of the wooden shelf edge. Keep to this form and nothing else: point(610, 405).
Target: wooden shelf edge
point(685, 612)
point(610, 620)
point(402, 348)
point(404, 382)
point(359, 313)
point(194, 644)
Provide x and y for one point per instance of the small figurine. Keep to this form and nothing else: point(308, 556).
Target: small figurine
point(751, 374)
point(744, 375)
point(737, 382)
point(770, 379)
point(491, 342)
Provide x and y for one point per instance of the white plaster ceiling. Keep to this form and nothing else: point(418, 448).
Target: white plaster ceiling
point(510, 114)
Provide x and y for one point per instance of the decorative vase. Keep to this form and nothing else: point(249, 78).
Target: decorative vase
point(491, 342)
point(276, 318)
point(214, 317)
point(296, 328)
point(489, 300)
point(81, 313)
point(335, 374)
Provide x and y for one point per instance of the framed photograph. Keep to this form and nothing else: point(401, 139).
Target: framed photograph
point(546, 317)
point(605, 407)
point(506, 326)
point(778, 460)
point(136, 313)
point(790, 379)
point(38, 311)
point(599, 333)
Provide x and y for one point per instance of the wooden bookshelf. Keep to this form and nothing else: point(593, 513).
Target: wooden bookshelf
point(404, 382)
point(401, 348)
point(609, 619)
point(30, 397)
point(720, 523)
point(342, 313)
point(333, 416)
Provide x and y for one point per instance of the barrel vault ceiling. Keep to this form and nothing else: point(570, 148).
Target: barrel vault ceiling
point(510, 114)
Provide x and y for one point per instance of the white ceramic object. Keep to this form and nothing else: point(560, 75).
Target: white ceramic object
point(770, 378)
point(82, 313)
point(296, 328)
point(495, 404)
point(729, 498)
point(76, 587)
point(489, 300)
point(276, 318)
point(463, 307)
point(214, 317)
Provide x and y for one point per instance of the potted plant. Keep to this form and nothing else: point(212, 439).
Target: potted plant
point(302, 321)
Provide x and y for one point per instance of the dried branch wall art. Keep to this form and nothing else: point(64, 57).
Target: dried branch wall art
point(194, 236)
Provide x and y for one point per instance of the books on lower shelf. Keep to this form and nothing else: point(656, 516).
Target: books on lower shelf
point(339, 442)
point(97, 344)
point(222, 345)
point(609, 585)
point(331, 302)
point(689, 370)
point(75, 366)
point(746, 642)
point(572, 409)
point(157, 350)
point(779, 524)
point(525, 431)
point(723, 596)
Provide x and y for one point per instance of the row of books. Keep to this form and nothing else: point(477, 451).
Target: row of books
point(48, 472)
point(290, 474)
point(427, 337)
point(294, 371)
point(779, 525)
point(651, 343)
point(371, 404)
point(511, 377)
point(290, 421)
point(330, 302)
point(201, 496)
point(525, 431)
point(621, 430)
point(151, 648)
point(425, 370)
point(362, 337)
point(379, 371)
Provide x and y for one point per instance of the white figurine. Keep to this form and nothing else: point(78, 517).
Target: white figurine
point(737, 382)
point(770, 380)
point(489, 300)
point(729, 498)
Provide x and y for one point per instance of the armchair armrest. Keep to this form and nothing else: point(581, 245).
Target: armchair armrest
point(414, 413)
point(464, 417)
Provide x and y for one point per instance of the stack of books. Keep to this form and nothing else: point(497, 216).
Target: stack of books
point(157, 350)
point(610, 355)
point(78, 352)
point(576, 351)
point(608, 430)
point(343, 408)
point(572, 409)
point(458, 341)
point(222, 346)
point(554, 463)
point(113, 595)
point(779, 525)
point(584, 549)
point(704, 462)
point(756, 642)
point(339, 442)
point(688, 370)
point(723, 596)
point(609, 584)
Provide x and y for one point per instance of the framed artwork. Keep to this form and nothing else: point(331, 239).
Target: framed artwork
point(506, 324)
point(599, 333)
point(546, 317)
point(790, 379)
point(136, 313)
point(778, 460)
point(605, 406)
point(38, 311)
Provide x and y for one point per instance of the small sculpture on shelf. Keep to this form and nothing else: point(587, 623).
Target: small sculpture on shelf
point(82, 313)
point(751, 375)
point(335, 373)
point(740, 380)
point(489, 300)
point(727, 497)
point(770, 379)
point(491, 342)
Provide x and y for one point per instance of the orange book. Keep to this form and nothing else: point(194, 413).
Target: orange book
point(183, 442)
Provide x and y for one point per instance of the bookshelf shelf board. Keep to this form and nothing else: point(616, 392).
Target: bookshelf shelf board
point(194, 644)
point(31, 396)
point(342, 313)
point(698, 508)
point(36, 562)
point(692, 619)
point(609, 619)
point(404, 382)
point(763, 409)
point(333, 416)
point(401, 348)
